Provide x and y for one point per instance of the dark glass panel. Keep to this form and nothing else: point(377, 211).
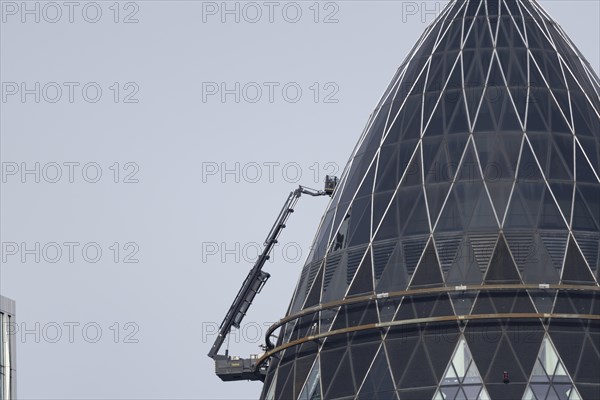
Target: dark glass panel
point(464, 269)
point(360, 222)
point(394, 277)
point(417, 394)
point(563, 192)
point(315, 292)
point(361, 355)
point(419, 371)
point(582, 215)
point(303, 367)
point(589, 362)
point(502, 268)
point(378, 383)
point(575, 269)
point(450, 219)
point(382, 251)
point(550, 216)
point(341, 384)
point(448, 249)
point(439, 343)
point(285, 382)
point(400, 344)
point(334, 280)
point(363, 280)
point(428, 272)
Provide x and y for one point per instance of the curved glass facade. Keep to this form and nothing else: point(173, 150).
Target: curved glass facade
point(458, 258)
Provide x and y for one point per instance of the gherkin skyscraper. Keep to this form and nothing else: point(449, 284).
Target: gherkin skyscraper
point(458, 258)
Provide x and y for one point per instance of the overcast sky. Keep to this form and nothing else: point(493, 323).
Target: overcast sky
point(146, 149)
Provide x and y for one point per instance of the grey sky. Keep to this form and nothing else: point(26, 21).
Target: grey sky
point(192, 226)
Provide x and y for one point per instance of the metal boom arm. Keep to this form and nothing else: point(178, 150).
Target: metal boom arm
point(252, 285)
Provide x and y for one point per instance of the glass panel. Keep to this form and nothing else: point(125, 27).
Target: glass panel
point(576, 270)
point(428, 272)
point(312, 387)
point(483, 395)
point(502, 267)
point(271, 392)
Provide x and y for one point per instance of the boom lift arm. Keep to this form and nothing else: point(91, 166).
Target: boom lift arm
point(230, 368)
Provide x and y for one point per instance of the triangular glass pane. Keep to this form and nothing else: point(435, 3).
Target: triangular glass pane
point(464, 270)
point(575, 269)
point(433, 157)
point(538, 375)
point(312, 386)
point(334, 281)
point(472, 375)
point(563, 192)
point(556, 244)
point(561, 158)
point(517, 214)
point(540, 390)
point(502, 268)
point(559, 118)
point(560, 372)
point(528, 165)
point(573, 394)
point(450, 376)
point(550, 216)
point(500, 193)
point(440, 396)
point(484, 218)
point(459, 368)
point(558, 169)
point(521, 246)
point(362, 354)
point(314, 294)
point(582, 216)
point(417, 222)
point(336, 384)
point(271, 393)
point(486, 119)
point(428, 271)
point(471, 391)
point(382, 251)
point(360, 222)
point(447, 248)
point(363, 280)
point(455, 146)
point(562, 391)
point(459, 123)
point(543, 299)
point(538, 265)
point(529, 395)
point(412, 250)
point(285, 382)
point(520, 97)
point(394, 276)
point(390, 226)
point(483, 247)
point(541, 144)
point(536, 119)
point(467, 195)
point(378, 382)
point(483, 395)
point(450, 218)
point(355, 256)
point(486, 143)
point(588, 243)
point(548, 357)
point(419, 372)
point(436, 196)
point(449, 392)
